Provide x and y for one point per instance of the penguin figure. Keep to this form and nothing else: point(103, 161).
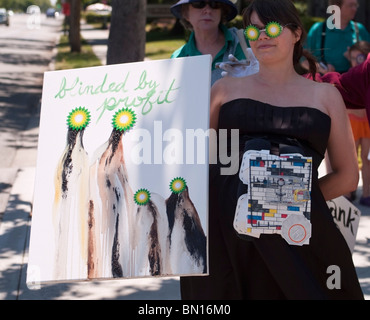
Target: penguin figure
point(150, 241)
point(71, 201)
point(111, 205)
point(187, 241)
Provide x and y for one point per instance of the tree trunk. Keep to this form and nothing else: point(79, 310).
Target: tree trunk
point(126, 41)
point(74, 30)
point(363, 13)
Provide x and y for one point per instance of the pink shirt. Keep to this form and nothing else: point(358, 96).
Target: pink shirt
point(354, 85)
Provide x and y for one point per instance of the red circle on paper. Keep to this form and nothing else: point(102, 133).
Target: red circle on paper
point(299, 233)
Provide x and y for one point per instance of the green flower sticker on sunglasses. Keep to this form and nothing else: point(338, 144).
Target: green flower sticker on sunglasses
point(78, 119)
point(273, 29)
point(124, 119)
point(252, 33)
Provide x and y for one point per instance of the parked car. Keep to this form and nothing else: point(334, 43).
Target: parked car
point(4, 17)
point(51, 13)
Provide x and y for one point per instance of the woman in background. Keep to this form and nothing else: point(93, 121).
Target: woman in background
point(360, 125)
point(206, 20)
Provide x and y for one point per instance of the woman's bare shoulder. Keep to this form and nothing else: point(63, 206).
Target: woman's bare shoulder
point(224, 84)
point(224, 89)
point(330, 98)
point(328, 92)
point(325, 94)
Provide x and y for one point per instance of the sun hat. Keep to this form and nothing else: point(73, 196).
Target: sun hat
point(177, 10)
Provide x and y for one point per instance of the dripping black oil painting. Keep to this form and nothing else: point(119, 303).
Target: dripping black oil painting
point(121, 188)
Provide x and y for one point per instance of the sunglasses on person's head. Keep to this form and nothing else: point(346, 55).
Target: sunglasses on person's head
point(360, 58)
point(202, 4)
point(272, 30)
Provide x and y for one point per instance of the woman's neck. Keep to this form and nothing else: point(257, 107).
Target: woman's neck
point(344, 23)
point(276, 75)
point(209, 42)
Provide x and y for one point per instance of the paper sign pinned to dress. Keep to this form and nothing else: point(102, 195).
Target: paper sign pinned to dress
point(347, 217)
point(121, 185)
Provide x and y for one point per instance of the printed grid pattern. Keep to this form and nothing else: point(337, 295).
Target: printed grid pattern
point(278, 187)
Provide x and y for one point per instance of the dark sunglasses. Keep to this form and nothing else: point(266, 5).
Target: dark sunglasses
point(202, 4)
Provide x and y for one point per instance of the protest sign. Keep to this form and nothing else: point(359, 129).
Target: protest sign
point(121, 185)
point(347, 217)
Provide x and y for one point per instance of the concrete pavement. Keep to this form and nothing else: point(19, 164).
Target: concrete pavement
point(14, 241)
point(98, 39)
point(15, 227)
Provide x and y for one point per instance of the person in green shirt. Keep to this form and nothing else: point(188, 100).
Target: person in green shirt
point(330, 46)
point(206, 20)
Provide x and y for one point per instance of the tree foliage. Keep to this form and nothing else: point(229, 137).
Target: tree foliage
point(22, 5)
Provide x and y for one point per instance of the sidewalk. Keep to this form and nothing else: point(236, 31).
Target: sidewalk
point(98, 39)
point(15, 228)
point(14, 241)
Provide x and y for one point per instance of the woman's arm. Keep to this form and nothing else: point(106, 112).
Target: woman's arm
point(217, 100)
point(341, 148)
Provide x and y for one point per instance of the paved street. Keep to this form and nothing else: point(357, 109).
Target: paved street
point(25, 53)
point(26, 49)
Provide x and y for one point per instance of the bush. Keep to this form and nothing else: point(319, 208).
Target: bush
point(309, 21)
point(237, 22)
point(95, 18)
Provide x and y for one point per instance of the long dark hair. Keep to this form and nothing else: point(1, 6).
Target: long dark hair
point(284, 12)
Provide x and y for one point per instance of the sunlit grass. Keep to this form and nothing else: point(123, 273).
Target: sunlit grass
point(156, 50)
point(70, 60)
point(159, 45)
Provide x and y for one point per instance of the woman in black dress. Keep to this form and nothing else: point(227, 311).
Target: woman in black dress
point(279, 106)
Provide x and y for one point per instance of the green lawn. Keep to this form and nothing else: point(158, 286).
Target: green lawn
point(70, 60)
point(162, 49)
point(159, 45)
point(160, 42)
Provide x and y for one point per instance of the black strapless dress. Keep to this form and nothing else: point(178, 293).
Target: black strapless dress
point(268, 267)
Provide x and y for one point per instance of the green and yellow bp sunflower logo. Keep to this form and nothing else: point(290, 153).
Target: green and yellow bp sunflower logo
point(78, 118)
point(142, 197)
point(124, 119)
point(252, 33)
point(177, 185)
point(273, 29)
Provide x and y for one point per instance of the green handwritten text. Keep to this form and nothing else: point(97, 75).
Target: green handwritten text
point(145, 94)
point(79, 89)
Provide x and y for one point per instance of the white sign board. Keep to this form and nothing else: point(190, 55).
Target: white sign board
point(122, 172)
point(347, 218)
